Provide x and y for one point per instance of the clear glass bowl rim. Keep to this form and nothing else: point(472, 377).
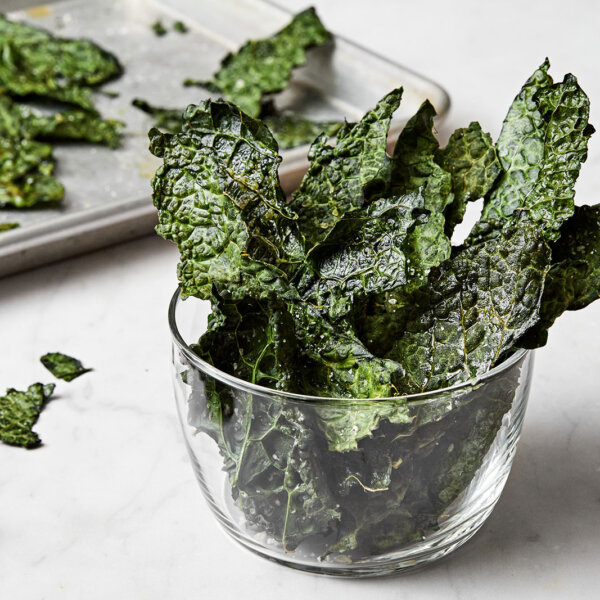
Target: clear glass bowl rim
point(414, 399)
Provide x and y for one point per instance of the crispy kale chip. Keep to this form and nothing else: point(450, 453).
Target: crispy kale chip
point(219, 198)
point(169, 120)
point(573, 281)
point(26, 179)
point(8, 226)
point(369, 252)
point(180, 27)
point(258, 69)
point(474, 308)
point(62, 366)
point(342, 177)
point(159, 29)
point(262, 67)
point(352, 292)
point(19, 120)
point(33, 62)
point(19, 412)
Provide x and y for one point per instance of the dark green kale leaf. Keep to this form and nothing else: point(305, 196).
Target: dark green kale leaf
point(338, 364)
point(464, 323)
point(8, 226)
point(26, 177)
point(180, 27)
point(219, 198)
point(291, 131)
point(33, 62)
point(271, 457)
point(415, 170)
point(159, 28)
point(252, 340)
point(573, 281)
point(62, 366)
point(473, 310)
point(19, 412)
point(367, 252)
point(341, 177)
point(470, 158)
point(541, 147)
point(167, 119)
point(18, 120)
point(263, 67)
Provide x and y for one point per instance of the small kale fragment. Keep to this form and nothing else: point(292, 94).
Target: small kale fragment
point(19, 412)
point(63, 366)
point(167, 119)
point(158, 28)
point(8, 226)
point(21, 121)
point(470, 158)
point(235, 233)
point(180, 27)
point(263, 67)
point(26, 178)
point(573, 281)
point(292, 131)
point(33, 62)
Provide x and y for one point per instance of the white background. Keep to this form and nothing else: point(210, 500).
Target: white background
point(109, 508)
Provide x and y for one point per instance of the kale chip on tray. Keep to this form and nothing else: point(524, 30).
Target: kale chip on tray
point(36, 65)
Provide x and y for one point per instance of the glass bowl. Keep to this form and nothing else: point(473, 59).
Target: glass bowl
point(422, 479)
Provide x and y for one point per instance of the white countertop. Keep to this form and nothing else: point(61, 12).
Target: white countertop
point(109, 507)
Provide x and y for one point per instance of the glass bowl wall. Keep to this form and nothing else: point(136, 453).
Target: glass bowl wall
point(346, 487)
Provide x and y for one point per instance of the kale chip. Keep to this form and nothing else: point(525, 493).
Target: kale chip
point(33, 62)
point(63, 366)
point(262, 67)
point(257, 70)
point(21, 121)
point(26, 179)
point(19, 412)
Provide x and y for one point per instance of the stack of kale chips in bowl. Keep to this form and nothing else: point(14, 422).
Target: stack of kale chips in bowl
point(354, 401)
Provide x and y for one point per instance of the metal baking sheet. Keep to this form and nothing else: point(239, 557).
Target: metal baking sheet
point(107, 192)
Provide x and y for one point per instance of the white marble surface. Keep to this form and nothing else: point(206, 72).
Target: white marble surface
point(109, 508)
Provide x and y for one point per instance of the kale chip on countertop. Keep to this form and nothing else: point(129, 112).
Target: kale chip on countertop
point(63, 366)
point(19, 412)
